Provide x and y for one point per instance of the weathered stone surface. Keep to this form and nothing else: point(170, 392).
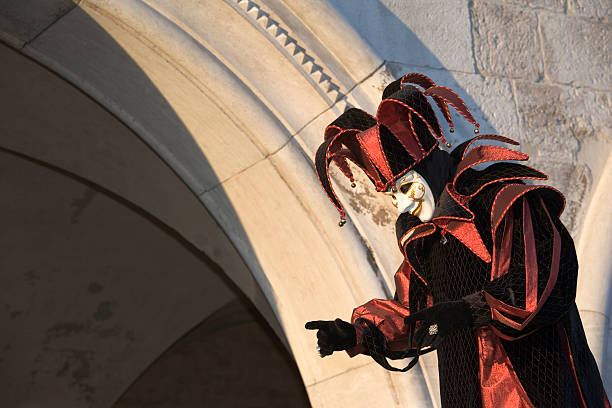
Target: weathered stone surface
point(577, 51)
point(545, 121)
point(357, 385)
point(506, 41)
point(555, 123)
point(410, 32)
point(555, 119)
point(556, 5)
point(22, 20)
point(600, 9)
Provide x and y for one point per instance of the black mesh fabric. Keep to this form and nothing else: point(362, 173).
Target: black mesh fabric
point(397, 157)
point(494, 172)
point(453, 272)
point(411, 96)
point(354, 119)
point(321, 169)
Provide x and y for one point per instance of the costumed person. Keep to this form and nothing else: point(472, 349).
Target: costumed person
point(489, 272)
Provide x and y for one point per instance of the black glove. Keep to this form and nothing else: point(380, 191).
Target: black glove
point(438, 321)
point(333, 335)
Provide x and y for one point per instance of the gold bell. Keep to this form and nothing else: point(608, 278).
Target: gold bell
point(342, 222)
point(353, 185)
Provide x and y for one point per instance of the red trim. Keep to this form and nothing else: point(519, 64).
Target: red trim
point(405, 134)
point(570, 361)
point(467, 234)
point(488, 137)
point(415, 235)
point(498, 306)
point(434, 134)
point(425, 82)
point(487, 153)
point(449, 96)
point(507, 196)
point(340, 208)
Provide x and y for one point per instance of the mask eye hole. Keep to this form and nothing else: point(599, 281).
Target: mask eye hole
point(404, 188)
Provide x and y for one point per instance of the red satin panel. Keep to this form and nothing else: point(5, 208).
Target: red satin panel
point(370, 142)
point(501, 255)
point(499, 308)
point(531, 261)
point(388, 316)
point(487, 153)
point(451, 97)
point(394, 119)
point(500, 386)
point(488, 137)
point(402, 283)
point(466, 232)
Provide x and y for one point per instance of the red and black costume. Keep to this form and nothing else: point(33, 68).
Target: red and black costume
point(494, 264)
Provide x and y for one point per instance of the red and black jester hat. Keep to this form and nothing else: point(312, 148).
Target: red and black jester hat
point(404, 132)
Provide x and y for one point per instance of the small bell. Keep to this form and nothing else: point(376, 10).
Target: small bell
point(449, 145)
point(342, 222)
point(353, 185)
point(476, 131)
point(452, 129)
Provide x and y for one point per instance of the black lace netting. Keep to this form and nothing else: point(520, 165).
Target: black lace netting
point(397, 157)
point(453, 271)
point(354, 119)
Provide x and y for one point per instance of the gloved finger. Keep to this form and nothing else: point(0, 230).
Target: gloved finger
point(317, 324)
point(415, 317)
point(322, 335)
point(325, 351)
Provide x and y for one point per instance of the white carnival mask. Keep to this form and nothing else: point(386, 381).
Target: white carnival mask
point(411, 193)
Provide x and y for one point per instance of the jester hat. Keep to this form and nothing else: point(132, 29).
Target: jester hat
point(404, 131)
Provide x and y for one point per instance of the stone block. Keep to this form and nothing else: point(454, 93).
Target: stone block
point(599, 9)
point(506, 41)
point(21, 21)
point(576, 51)
point(554, 5)
point(545, 120)
point(420, 32)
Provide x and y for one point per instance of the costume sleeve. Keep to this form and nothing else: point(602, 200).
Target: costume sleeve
point(534, 266)
point(391, 337)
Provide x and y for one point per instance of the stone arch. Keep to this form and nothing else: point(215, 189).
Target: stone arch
point(180, 91)
point(595, 279)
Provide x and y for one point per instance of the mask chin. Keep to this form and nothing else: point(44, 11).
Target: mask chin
point(411, 193)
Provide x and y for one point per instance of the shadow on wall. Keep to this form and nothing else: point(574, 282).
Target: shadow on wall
point(91, 53)
point(367, 17)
